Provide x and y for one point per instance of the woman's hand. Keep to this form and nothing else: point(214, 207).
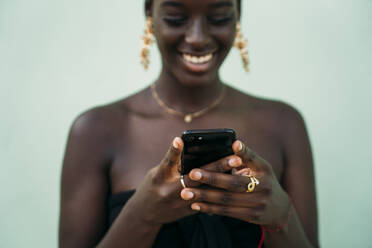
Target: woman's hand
point(268, 204)
point(157, 200)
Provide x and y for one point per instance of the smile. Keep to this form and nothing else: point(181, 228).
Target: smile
point(197, 59)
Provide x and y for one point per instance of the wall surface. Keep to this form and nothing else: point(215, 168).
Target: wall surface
point(59, 58)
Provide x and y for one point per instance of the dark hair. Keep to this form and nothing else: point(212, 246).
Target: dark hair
point(149, 2)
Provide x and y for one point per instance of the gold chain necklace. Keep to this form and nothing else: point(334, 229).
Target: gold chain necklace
point(187, 117)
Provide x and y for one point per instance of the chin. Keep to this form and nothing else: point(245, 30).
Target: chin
point(196, 80)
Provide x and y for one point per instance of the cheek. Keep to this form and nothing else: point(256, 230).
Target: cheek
point(166, 37)
point(225, 36)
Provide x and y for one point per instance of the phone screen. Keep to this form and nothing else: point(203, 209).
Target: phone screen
point(205, 146)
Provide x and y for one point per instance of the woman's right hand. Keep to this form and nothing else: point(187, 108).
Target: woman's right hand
point(157, 200)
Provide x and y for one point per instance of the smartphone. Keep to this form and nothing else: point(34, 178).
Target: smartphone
point(202, 147)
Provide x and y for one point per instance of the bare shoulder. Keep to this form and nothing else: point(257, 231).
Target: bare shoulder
point(89, 153)
point(101, 127)
point(277, 116)
point(96, 123)
point(105, 120)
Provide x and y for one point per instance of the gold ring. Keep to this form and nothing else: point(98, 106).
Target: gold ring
point(252, 185)
point(183, 182)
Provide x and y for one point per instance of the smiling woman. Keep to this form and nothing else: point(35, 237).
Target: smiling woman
point(189, 33)
point(118, 163)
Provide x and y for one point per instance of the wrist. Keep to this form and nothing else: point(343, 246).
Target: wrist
point(138, 218)
point(280, 226)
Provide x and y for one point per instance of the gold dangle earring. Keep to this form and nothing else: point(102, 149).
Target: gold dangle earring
point(147, 40)
point(241, 45)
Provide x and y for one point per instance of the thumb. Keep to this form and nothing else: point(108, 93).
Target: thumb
point(172, 158)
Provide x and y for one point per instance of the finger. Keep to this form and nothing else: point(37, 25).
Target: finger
point(248, 156)
point(190, 183)
point(245, 172)
point(221, 197)
point(172, 158)
point(241, 150)
point(221, 165)
point(234, 183)
point(225, 164)
point(242, 213)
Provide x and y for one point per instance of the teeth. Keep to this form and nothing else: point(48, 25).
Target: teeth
point(197, 60)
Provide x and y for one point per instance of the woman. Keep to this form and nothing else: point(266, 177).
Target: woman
point(117, 193)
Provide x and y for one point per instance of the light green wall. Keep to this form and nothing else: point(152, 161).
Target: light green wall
point(58, 58)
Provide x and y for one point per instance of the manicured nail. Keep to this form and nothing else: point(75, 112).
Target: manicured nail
point(240, 146)
point(245, 172)
point(195, 207)
point(196, 175)
point(187, 195)
point(176, 143)
point(233, 162)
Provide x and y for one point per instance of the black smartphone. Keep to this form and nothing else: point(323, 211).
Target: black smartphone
point(202, 147)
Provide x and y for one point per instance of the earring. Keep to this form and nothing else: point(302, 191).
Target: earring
point(241, 45)
point(147, 40)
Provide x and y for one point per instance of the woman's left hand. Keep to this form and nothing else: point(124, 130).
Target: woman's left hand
point(268, 204)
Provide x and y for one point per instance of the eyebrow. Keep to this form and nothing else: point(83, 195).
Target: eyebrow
point(212, 5)
point(221, 4)
point(171, 4)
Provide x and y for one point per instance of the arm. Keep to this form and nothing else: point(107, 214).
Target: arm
point(85, 185)
point(299, 183)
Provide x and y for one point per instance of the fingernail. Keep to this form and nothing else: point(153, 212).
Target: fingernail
point(234, 162)
point(240, 146)
point(196, 175)
point(175, 143)
point(245, 173)
point(195, 207)
point(187, 195)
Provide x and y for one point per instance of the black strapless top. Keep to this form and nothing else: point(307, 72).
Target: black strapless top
point(197, 231)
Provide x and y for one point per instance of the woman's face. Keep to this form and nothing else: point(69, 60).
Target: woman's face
point(194, 37)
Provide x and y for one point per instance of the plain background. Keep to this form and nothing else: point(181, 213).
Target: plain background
point(60, 58)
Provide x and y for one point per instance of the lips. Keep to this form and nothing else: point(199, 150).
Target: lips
point(198, 59)
point(196, 63)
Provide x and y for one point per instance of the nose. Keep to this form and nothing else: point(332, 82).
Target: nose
point(197, 35)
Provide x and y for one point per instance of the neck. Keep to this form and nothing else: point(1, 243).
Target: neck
point(186, 98)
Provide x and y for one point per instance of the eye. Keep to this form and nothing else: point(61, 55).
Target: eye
point(220, 20)
point(175, 20)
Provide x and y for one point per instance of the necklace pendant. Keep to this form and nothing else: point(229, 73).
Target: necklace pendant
point(188, 118)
